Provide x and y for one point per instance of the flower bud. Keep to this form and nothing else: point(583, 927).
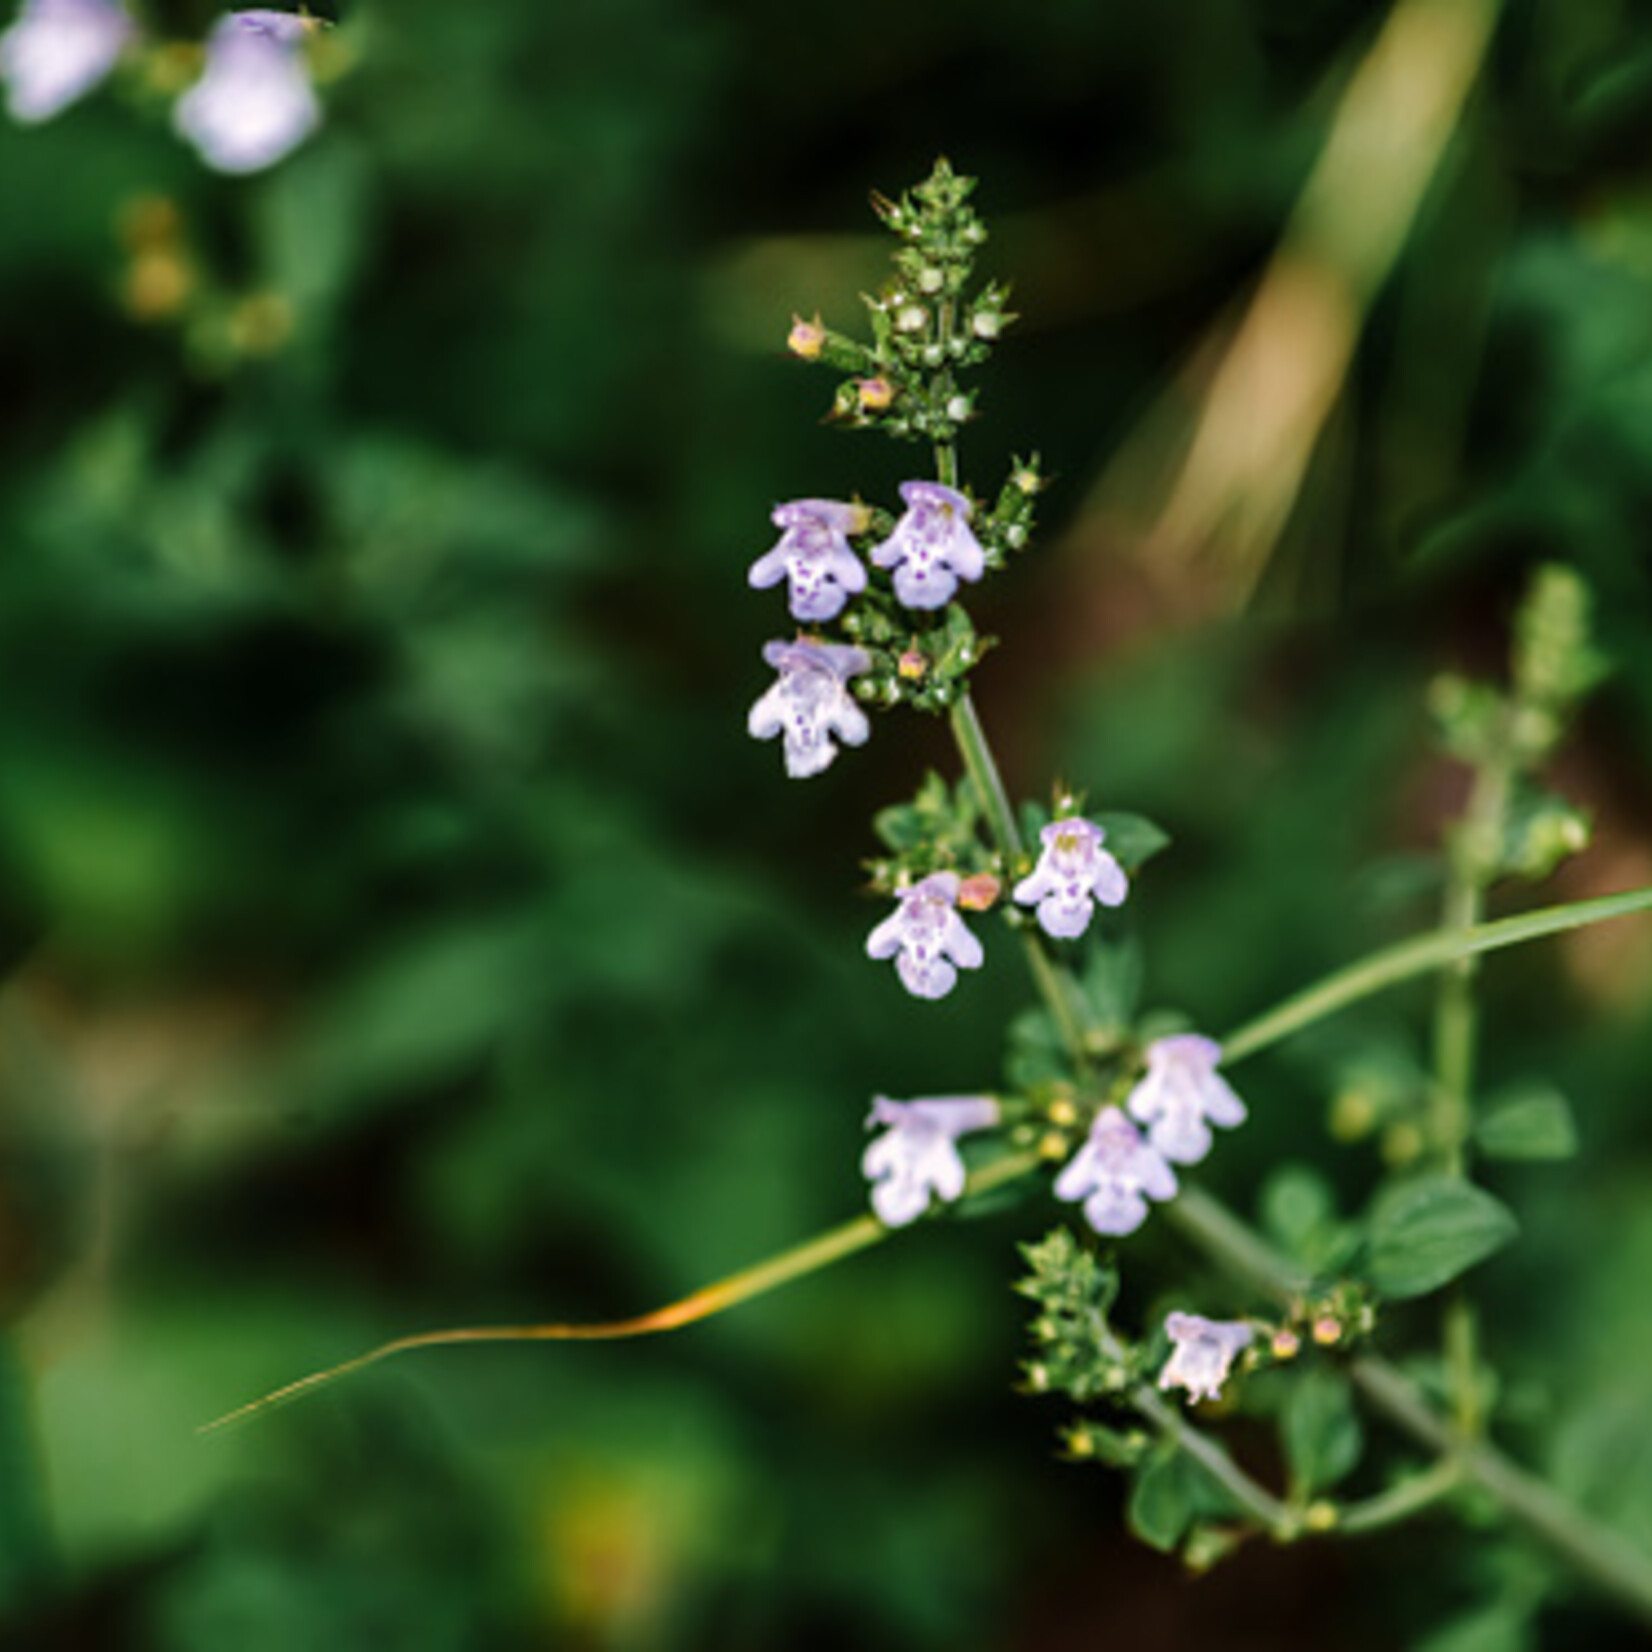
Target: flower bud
point(911, 318)
point(807, 338)
point(1327, 1331)
point(874, 394)
point(1286, 1344)
point(980, 892)
point(913, 664)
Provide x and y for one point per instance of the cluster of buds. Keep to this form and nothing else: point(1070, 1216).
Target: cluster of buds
point(927, 327)
point(251, 105)
point(1512, 732)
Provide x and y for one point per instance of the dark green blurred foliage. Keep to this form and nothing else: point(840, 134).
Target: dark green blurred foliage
point(403, 932)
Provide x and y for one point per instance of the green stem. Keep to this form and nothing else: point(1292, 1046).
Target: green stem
point(1417, 956)
point(1055, 985)
point(1273, 1515)
point(1241, 1250)
point(1476, 848)
point(1213, 1458)
point(1594, 1551)
point(1400, 1502)
point(983, 770)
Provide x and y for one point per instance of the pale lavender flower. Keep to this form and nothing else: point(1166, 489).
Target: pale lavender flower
point(1180, 1091)
point(809, 703)
point(928, 936)
point(1073, 873)
point(813, 555)
point(1204, 1353)
point(253, 103)
point(917, 1155)
point(932, 547)
point(1115, 1173)
point(57, 51)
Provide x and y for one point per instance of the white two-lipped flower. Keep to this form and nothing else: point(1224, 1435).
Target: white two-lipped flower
point(1073, 873)
point(1115, 1173)
point(917, 1154)
point(253, 103)
point(808, 705)
point(1180, 1091)
point(926, 937)
point(1204, 1353)
point(57, 51)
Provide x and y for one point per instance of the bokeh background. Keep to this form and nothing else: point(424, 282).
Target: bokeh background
point(400, 930)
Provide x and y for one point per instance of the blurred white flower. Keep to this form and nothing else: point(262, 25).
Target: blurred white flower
point(253, 103)
point(57, 51)
point(1204, 1353)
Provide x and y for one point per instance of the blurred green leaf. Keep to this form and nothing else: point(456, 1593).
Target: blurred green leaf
point(1424, 1233)
point(1322, 1431)
point(1535, 1123)
point(1162, 1500)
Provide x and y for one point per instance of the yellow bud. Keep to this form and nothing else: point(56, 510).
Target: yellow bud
point(807, 338)
point(912, 664)
point(874, 394)
point(1353, 1113)
point(1286, 1344)
point(1402, 1144)
point(158, 285)
point(1320, 1517)
point(1052, 1145)
point(1327, 1331)
point(1063, 1113)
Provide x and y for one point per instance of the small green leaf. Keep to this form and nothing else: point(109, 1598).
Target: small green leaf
point(1536, 1123)
point(1112, 982)
point(1132, 840)
point(1296, 1203)
point(1423, 1233)
point(1036, 1052)
point(1322, 1434)
point(1161, 1502)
